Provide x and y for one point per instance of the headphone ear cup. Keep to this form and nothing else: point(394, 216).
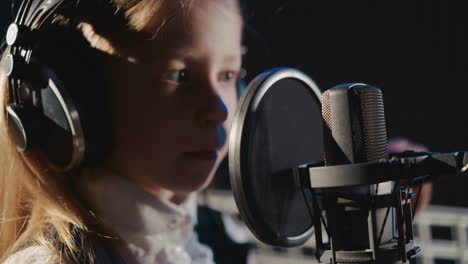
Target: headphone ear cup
point(62, 140)
point(23, 126)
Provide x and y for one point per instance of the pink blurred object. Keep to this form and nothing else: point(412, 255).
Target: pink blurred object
point(403, 144)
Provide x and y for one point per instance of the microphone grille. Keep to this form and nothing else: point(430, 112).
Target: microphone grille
point(369, 130)
point(326, 109)
point(330, 147)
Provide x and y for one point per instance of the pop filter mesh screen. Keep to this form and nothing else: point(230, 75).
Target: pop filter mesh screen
point(282, 132)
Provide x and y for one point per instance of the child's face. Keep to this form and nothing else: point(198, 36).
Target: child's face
point(173, 111)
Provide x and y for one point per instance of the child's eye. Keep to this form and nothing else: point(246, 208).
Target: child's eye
point(177, 76)
point(227, 76)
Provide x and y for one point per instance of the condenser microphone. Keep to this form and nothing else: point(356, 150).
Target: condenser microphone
point(362, 197)
point(354, 132)
point(354, 124)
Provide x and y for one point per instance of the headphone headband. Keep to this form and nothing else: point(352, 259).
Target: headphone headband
point(21, 33)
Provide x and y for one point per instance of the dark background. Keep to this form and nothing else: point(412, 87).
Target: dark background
point(415, 51)
point(4, 16)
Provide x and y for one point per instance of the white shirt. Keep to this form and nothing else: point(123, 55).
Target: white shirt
point(155, 230)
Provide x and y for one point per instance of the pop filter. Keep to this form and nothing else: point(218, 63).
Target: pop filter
point(277, 126)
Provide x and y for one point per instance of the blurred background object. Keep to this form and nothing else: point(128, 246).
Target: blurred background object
point(424, 192)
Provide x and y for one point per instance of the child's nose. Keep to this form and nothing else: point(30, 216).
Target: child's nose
point(213, 110)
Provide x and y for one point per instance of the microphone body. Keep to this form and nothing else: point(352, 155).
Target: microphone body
point(355, 132)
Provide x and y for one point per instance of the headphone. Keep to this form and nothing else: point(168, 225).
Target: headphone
point(64, 117)
point(48, 108)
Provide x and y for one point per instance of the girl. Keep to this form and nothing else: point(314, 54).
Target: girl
point(166, 70)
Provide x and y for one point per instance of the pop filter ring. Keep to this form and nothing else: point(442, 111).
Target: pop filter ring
point(249, 102)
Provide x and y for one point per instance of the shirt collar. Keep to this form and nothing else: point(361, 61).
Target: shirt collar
point(128, 208)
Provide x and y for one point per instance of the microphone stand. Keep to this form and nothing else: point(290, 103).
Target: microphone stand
point(355, 215)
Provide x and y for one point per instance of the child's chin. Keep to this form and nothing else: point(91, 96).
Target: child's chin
point(200, 184)
point(193, 182)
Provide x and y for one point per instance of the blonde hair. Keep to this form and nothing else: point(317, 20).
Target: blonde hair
point(33, 198)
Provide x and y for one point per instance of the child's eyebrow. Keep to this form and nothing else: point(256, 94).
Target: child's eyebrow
point(232, 58)
point(185, 53)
